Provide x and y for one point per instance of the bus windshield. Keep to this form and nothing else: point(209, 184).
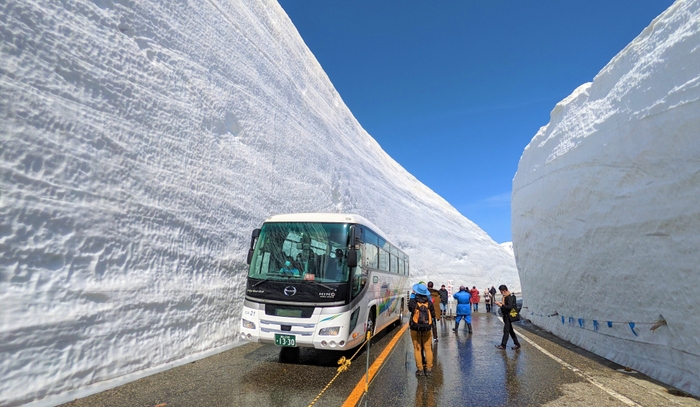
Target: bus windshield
point(301, 251)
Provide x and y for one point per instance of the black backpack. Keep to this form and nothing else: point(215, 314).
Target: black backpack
point(422, 320)
point(514, 314)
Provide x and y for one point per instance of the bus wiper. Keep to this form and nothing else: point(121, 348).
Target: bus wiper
point(270, 278)
point(261, 281)
point(322, 285)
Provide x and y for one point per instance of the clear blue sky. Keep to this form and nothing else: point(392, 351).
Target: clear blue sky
point(455, 89)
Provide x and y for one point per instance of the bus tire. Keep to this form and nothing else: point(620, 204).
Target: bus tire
point(371, 320)
point(402, 312)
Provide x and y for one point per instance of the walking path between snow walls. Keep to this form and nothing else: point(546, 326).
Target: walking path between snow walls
point(605, 201)
point(142, 142)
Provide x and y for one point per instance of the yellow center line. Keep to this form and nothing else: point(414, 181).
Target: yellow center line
point(359, 389)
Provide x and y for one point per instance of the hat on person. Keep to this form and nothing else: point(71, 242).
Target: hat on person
point(462, 288)
point(421, 289)
point(288, 263)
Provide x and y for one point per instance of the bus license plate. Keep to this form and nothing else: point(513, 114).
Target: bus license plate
point(285, 340)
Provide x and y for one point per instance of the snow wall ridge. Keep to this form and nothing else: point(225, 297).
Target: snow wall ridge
point(610, 200)
point(142, 143)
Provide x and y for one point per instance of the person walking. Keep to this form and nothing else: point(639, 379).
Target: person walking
point(492, 291)
point(487, 300)
point(435, 297)
point(474, 299)
point(463, 308)
point(443, 299)
point(508, 304)
point(421, 324)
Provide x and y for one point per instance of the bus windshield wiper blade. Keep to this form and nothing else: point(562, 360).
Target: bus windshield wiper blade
point(261, 281)
point(322, 285)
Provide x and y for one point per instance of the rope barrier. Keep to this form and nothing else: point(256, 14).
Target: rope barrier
point(596, 325)
point(344, 366)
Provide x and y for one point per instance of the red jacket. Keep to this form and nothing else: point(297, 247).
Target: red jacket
point(475, 296)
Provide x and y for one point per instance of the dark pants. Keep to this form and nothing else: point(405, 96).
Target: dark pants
point(508, 330)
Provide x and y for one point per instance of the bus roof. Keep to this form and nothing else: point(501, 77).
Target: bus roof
point(326, 218)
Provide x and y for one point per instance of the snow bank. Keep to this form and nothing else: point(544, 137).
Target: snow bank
point(142, 141)
point(605, 207)
point(508, 247)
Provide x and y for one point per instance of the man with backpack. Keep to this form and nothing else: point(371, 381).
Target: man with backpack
point(509, 309)
point(421, 325)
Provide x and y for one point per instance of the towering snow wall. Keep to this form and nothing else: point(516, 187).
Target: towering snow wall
point(142, 141)
point(606, 211)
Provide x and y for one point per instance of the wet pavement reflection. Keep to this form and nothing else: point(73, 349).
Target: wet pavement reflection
point(468, 371)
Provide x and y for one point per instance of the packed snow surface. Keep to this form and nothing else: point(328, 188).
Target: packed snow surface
point(508, 247)
point(142, 142)
point(606, 207)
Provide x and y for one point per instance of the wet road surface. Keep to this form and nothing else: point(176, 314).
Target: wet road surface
point(468, 371)
point(251, 375)
point(545, 371)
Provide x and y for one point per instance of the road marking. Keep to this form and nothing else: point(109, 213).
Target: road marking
point(359, 389)
point(578, 371)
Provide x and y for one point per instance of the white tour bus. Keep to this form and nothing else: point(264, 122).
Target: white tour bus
point(322, 280)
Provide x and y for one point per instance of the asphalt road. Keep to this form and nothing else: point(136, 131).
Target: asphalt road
point(469, 371)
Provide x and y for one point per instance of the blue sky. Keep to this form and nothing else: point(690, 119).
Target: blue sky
point(455, 89)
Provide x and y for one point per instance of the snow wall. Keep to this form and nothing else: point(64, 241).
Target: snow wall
point(606, 212)
point(142, 142)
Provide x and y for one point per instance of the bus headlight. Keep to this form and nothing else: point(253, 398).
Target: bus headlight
point(332, 331)
point(247, 324)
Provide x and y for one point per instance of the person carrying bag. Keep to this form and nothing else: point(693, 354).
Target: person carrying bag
point(421, 325)
point(509, 309)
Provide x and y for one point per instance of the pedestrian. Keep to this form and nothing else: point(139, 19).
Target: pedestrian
point(443, 299)
point(463, 308)
point(421, 324)
point(508, 304)
point(474, 298)
point(492, 291)
point(487, 300)
point(435, 297)
point(413, 293)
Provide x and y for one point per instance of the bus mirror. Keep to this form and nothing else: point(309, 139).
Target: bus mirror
point(352, 257)
point(253, 238)
point(250, 256)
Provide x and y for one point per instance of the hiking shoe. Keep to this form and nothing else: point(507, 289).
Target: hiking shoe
point(516, 347)
point(500, 347)
point(428, 372)
point(419, 373)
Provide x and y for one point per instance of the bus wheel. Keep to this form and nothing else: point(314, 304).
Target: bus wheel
point(370, 321)
point(401, 314)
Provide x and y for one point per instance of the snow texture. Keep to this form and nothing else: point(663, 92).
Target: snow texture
point(508, 247)
point(605, 207)
point(142, 142)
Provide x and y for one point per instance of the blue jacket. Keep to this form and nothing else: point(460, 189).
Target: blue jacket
point(463, 307)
